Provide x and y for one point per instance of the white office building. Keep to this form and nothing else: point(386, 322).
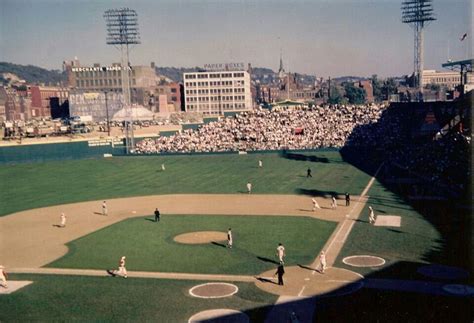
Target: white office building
point(216, 92)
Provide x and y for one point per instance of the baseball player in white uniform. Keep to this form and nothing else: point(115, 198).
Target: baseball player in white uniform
point(229, 238)
point(122, 271)
point(3, 277)
point(371, 215)
point(322, 262)
point(249, 187)
point(63, 220)
point(104, 208)
point(334, 203)
point(260, 163)
point(315, 204)
point(163, 167)
point(281, 253)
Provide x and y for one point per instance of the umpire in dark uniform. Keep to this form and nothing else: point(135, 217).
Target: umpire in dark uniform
point(280, 272)
point(157, 215)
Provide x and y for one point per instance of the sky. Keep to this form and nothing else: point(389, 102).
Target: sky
point(318, 37)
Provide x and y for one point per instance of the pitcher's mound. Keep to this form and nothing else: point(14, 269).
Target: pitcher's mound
point(13, 286)
point(213, 290)
point(221, 315)
point(200, 237)
point(363, 261)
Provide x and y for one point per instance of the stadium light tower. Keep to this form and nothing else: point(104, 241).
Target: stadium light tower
point(418, 13)
point(122, 31)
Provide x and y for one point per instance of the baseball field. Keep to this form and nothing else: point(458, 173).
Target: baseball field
point(200, 197)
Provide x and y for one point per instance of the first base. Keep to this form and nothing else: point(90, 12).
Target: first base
point(388, 221)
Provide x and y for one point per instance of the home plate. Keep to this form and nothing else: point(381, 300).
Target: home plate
point(14, 285)
point(388, 221)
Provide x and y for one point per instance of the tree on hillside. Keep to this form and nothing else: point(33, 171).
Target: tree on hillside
point(33, 74)
point(354, 94)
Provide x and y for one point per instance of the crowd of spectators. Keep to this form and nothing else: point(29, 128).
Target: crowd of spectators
point(385, 133)
point(277, 129)
point(439, 161)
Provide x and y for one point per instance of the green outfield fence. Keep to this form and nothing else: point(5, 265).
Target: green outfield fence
point(30, 153)
point(193, 126)
point(168, 133)
point(210, 119)
point(231, 113)
point(282, 152)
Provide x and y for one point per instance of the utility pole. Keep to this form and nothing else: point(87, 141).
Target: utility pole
point(107, 113)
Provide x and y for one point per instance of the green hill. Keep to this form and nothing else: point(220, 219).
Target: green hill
point(31, 74)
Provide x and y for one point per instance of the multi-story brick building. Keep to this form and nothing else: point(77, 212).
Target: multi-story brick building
point(99, 78)
point(17, 104)
point(167, 97)
point(41, 96)
point(449, 79)
point(216, 92)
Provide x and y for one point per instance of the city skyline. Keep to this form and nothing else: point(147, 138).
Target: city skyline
point(321, 38)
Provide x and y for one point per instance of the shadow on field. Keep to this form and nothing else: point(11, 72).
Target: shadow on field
point(395, 293)
point(218, 244)
point(305, 210)
point(393, 230)
point(301, 157)
point(402, 291)
point(306, 267)
point(268, 260)
point(316, 192)
point(265, 280)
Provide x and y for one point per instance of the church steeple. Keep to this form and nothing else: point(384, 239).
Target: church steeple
point(281, 70)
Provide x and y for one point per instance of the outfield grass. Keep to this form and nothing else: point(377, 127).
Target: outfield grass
point(27, 186)
point(149, 246)
point(93, 299)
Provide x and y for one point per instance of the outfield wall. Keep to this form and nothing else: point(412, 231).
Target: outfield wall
point(282, 152)
point(96, 148)
point(30, 153)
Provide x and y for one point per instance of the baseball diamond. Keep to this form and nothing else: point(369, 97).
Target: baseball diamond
point(187, 247)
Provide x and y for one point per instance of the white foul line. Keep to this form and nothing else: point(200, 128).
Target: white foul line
point(351, 224)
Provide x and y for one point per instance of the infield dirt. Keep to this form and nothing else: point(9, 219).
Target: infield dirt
point(31, 239)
